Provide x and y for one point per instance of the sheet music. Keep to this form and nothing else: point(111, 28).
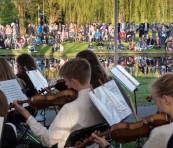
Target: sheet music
point(125, 78)
point(37, 79)
point(110, 102)
point(128, 75)
point(12, 90)
point(1, 127)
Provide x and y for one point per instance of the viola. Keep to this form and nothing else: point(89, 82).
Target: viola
point(44, 101)
point(127, 132)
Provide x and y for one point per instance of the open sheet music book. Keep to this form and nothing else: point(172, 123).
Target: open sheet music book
point(1, 128)
point(37, 79)
point(12, 90)
point(124, 77)
point(110, 102)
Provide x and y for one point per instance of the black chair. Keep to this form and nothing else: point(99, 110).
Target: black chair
point(81, 134)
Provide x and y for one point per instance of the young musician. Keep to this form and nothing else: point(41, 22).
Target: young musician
point(6, 72)
point(162, 94)
point(78, 114)
point(26, 61)
point(97, 70)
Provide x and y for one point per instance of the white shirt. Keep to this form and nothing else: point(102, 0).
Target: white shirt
point(159, 136)
point(78, 114)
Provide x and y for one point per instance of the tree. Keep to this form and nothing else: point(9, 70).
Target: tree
point(8, 13)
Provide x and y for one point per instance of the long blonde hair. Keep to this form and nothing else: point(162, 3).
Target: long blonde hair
point(6, 72)
point(3, 105)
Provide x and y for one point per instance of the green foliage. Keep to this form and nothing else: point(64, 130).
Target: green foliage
point(87, 11)
point(8, 13)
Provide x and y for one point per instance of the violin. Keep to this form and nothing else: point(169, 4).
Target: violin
point(44, 101)
point(59, 85)
point(127, 132)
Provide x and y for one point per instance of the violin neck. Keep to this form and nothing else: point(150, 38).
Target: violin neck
point(105, 133)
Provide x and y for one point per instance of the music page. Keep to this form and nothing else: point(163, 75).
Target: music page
point(12, 90)
point(122, 75)
point(110, 102)
point(37, 79)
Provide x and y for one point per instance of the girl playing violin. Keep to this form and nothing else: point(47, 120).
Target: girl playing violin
point(162, 94)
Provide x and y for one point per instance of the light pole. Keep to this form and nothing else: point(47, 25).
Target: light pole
point(116, 32)
point(43, 13)
point(38, 14)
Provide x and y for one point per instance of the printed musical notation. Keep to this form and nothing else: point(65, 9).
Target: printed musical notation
point(12, 90)
point(110, 102)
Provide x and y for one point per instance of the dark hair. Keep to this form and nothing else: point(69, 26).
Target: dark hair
point(78, 69)
point(97, 71)
point(26, 60)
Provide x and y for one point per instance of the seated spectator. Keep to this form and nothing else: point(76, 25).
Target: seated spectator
point(105, 35)
point(150, 42)
point(121, 46)
point(97, 36)
point(169, 46)
point(61, 48)
point(100, 46)
point(7, 43)
point(21, 42)
point(31, 47)
point(2, 45)
point(45, 39)
point(16, 44)
point(111, 46)
point(144, 45)
point(121, 35)
point(138, 45)
point(54, 48)
point(129, 35)
point(157, 43)
point(111, 34)
point(131, 45)
point(51, 40)
point(38, 41)
point(90, 46)
point(90, 36)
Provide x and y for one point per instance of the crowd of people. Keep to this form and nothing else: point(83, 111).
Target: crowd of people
point(161, 35)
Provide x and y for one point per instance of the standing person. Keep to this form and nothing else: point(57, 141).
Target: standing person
point(75, 115)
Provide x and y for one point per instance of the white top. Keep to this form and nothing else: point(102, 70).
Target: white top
point(78, 114)
point(159, 137)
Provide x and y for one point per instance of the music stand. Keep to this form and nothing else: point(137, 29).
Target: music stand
point(120, 74)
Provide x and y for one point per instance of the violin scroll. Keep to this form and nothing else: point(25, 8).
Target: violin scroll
point(149, 98)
